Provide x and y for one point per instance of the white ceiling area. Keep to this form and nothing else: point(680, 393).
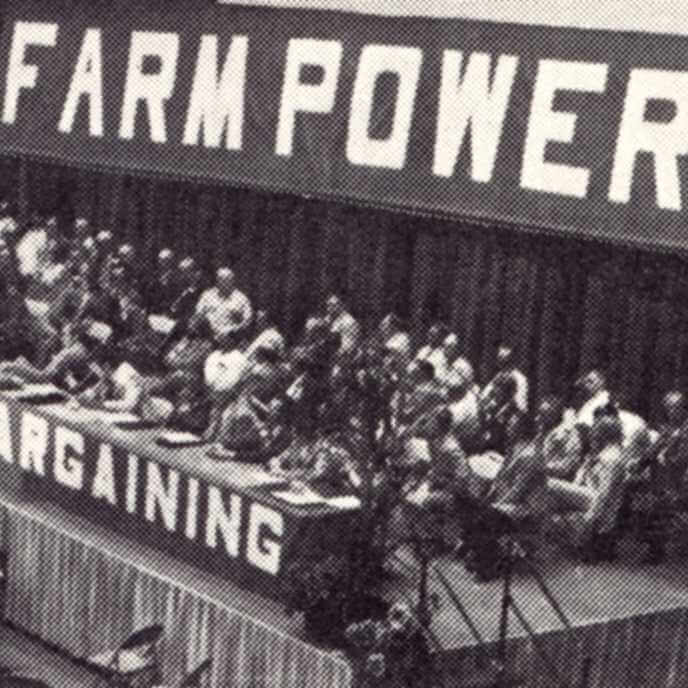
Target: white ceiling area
point(651, 16)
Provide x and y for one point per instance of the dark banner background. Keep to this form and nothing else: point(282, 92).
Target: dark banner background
point(319, 166)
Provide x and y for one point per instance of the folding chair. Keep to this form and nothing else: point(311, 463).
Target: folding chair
point(194, 678)
point(134, 664)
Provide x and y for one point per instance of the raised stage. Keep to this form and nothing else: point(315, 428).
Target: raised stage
point(80, 587)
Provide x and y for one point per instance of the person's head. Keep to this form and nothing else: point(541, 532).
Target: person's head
point(450, 344)
point(606, 431)
point(126, 255)
point(334, 306)
point(81, 228)
point(549, 413)
point(165, 260)
point(420, 372)
point(104, 240)
point(436, 334)
point(674, 407)
point(505, 358)
point(225, 281)
point(390, 325)
point(590, 384)
point(188, 272)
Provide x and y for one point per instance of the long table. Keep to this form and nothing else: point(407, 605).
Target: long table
point(221, 515)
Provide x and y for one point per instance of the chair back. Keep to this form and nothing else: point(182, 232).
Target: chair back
point(194, 678)
point(143, 638)
point(14, 681)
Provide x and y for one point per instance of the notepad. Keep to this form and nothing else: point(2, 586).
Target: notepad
point(345, 502)
point(300, 498)
point(179, 439)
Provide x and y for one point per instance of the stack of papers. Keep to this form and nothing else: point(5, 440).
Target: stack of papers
point(346, 502)
point(300, 498)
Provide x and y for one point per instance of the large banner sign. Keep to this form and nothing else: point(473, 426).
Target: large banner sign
point(547, 127)
point(233, 531)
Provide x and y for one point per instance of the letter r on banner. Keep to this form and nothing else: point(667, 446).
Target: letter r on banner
point(666, 141)
point(21, 75)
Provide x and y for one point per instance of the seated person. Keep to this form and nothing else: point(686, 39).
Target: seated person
point(464, 406)
point(433, 350)
point(590, 393)
point(247, 406)
point(341, 323)
point(419, 394)
point(515, 408)
point(225, 310)
point(596, 492)
point(265, 333)
point(69, 368)
point(457, 364)
point(563, 443)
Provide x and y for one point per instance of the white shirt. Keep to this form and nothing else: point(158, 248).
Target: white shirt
point(225, 314)
point(586, 414)
point(346, 326)
point(267, 339)
point(128, 384)
point(224, 371)
point(465, 413)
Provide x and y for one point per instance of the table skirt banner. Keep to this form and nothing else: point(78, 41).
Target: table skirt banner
point(84, 600)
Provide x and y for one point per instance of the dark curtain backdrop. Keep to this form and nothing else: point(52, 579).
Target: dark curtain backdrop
point(563, 303)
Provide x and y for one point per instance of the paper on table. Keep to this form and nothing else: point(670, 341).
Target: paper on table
point(345, 502)
point(180, 437)
point(40, 389)
point(161, 324)
point(114, 417)
point(300, 498)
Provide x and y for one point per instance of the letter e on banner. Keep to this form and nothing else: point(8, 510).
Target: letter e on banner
point(69, 471)
point(665, 140)
point(300, 97)
point(21, 75)
point(546, 125)
point(376, 60)
point(262, 551)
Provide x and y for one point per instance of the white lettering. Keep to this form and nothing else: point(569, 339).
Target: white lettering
point(152, 89)
point(472, 101)
point(264, 552)
point(104, 480)
point(217, 103)
point(300, 97)
point(376, 60)
point(34, 443)
point(69, 471)
point(546, 125)
point(666, 141)
point(219, 520)
point(191, 529)
point(160, 497)
point(21, 75)
point(132, 483)
point(6, 453)
point(87, 80)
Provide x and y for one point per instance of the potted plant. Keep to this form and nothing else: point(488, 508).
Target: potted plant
point(391, 651)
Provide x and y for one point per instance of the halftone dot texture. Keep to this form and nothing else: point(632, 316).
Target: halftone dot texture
point(569, 284)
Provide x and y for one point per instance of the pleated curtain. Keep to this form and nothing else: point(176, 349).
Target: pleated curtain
point(565, 304)
point(84, 600)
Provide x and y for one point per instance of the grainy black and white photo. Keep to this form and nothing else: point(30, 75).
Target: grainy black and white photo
point(343, 344)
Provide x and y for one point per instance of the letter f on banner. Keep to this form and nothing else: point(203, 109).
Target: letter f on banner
point(302, 97)
point(20, 74)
